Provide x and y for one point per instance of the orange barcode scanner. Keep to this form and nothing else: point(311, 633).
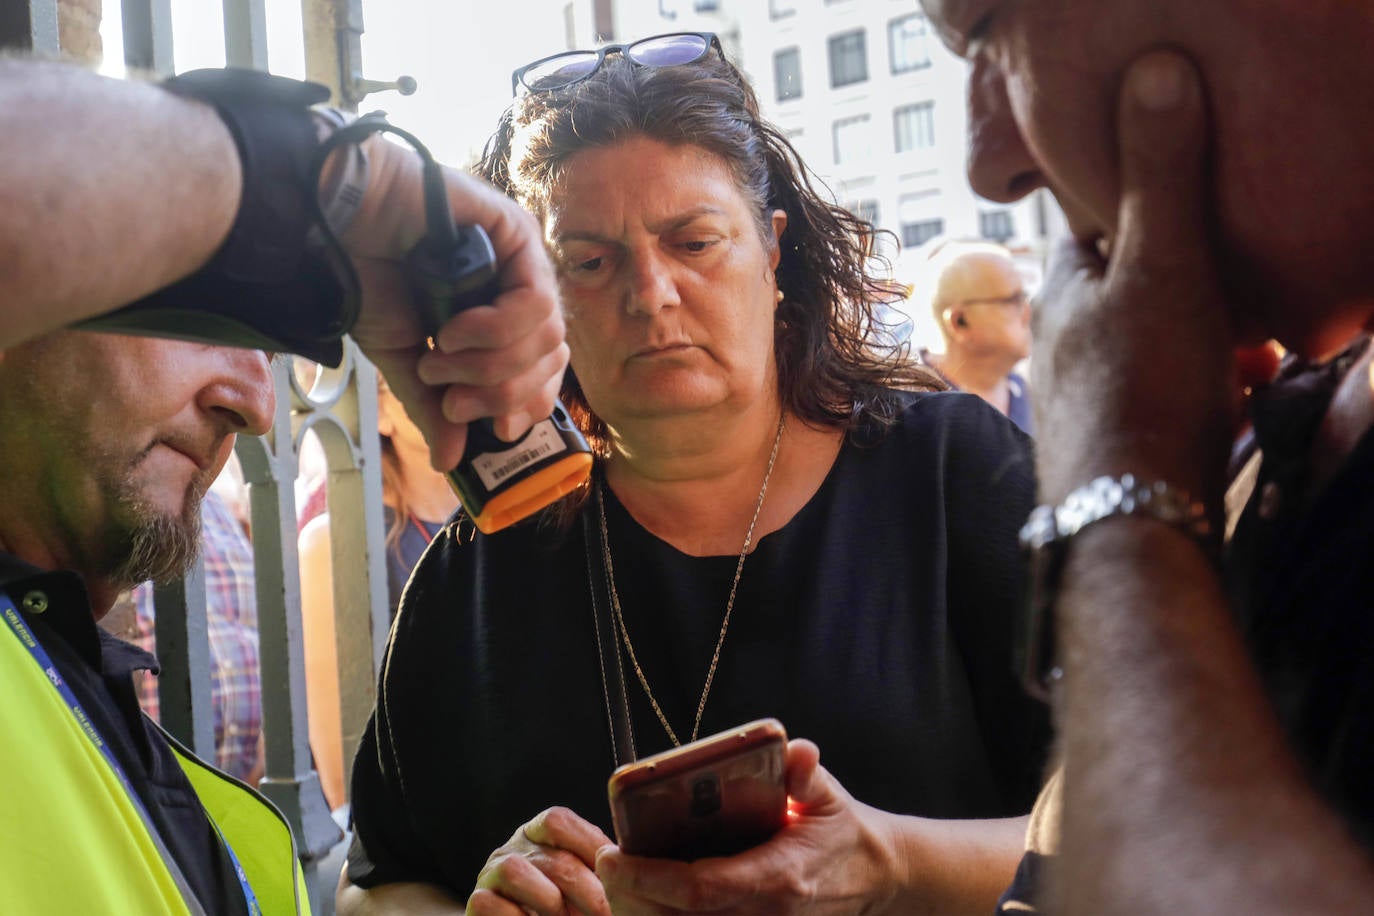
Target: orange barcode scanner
point(453, 268)
point(499, 483)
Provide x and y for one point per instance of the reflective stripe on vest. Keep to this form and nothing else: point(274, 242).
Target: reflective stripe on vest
point(73, 841)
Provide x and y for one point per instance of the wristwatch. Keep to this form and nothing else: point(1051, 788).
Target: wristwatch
point(1045, 540)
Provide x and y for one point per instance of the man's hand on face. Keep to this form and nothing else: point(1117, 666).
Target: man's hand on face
point(1132, 366)
point(504, 360)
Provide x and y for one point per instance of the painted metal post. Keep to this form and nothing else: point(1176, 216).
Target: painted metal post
point(269, 467)
point(147, 26)
point(245, 33)
point(181, 625)
point(30, 25)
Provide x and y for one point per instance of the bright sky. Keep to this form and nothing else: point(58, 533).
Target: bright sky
point(461, 52)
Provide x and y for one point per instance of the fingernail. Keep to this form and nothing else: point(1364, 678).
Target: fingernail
point(1158, 83)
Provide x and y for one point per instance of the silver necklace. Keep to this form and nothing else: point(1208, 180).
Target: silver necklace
point(729, 604)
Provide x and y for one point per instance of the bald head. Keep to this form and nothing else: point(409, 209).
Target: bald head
point(966, 271)
point(979, 302)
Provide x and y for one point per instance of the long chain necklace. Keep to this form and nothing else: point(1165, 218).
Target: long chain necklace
point(729, 604)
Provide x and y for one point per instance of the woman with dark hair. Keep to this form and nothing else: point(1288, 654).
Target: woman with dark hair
point(786, 519)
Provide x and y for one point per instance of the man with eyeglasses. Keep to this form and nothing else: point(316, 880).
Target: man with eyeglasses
point(981, 307)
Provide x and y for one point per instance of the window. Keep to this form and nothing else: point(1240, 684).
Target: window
point(908, 43)
point(777, 9)
point(866, 210)
point(996, 225)
point(853, 141)
point(848, 58)
point(917, 234)
point(787, 73)
point(914, 126)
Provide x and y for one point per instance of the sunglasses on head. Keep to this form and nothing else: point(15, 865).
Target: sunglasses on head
point(567, 68)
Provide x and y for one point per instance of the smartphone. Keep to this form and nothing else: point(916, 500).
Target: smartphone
point(717, 796)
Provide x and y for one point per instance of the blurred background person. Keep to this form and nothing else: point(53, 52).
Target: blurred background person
point(980, 304)
point(417, 501)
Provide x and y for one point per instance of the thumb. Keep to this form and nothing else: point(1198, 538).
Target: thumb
point(807, 784)
point(1162, 131)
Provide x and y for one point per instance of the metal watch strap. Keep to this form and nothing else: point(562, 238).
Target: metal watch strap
point(1109, 496)
point(1045, 538)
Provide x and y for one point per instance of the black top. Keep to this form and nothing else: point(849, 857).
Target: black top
point(878, 622)
point(1300, 572)
point(98, 667)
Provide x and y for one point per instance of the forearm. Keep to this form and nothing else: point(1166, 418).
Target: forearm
point(407, 899)
point(951, 867)
point(1180, 792)
point(112, 189)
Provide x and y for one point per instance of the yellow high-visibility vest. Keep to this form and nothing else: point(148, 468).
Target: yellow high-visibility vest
point(72, 840)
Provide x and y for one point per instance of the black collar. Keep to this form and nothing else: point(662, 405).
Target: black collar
point(68, 614)
point(1288, 411)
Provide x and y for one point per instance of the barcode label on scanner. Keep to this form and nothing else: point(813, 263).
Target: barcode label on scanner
point(542, 441)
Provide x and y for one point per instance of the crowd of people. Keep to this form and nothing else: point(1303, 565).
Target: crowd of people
point(788, 516)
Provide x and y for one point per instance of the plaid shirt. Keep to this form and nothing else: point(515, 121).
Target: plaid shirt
point(232, 621)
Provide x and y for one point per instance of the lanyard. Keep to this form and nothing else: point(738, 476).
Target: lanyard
point(420, 527)
point(40, 655)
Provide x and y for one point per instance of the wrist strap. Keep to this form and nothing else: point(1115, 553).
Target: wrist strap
point(1045, 539)
point(608, 651)
point(278, 282)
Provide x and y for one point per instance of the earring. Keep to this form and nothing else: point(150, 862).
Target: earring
point(777, 295)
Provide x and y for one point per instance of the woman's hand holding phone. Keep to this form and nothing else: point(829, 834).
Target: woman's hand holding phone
point(716, 796)
point(832, 857)
point(546, 868)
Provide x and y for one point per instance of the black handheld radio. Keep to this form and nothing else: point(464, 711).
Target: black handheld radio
point(453, 268)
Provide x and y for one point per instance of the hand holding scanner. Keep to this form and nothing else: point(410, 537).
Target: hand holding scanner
point(499, 483)
point(453, 268)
